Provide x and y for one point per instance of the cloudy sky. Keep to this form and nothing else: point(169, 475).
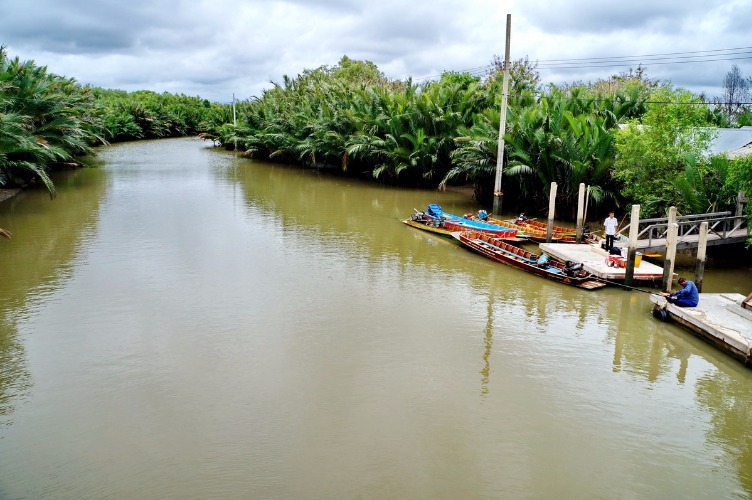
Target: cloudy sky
point(214, 48)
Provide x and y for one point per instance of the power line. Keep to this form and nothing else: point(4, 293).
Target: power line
point(646, 55)
point(687, 57)
point(641, 63)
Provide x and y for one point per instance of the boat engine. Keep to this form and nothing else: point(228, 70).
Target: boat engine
point(572, 268)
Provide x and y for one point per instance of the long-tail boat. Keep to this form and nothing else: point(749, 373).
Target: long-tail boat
point(560, 231)
point(538, 231)
point(531, 233)
point(569, 273)
point(445, 226)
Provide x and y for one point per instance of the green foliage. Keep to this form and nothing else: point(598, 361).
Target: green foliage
point(46, 121)
point(651, 154)
point(149, 115)
point(704, 185)
point(739, 178)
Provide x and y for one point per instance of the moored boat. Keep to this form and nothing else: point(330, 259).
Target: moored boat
point(435, 220)
point(570, 273)
point(532, 233)
point(565, 233)
point(445, 227)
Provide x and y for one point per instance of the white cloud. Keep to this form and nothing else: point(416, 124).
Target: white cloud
point(213, 48)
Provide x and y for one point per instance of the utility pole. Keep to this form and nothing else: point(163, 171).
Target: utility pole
point(234, 122)
point(498, 194)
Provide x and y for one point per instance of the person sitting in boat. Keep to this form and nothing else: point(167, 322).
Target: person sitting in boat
point(483, 215)
point(521, 218)
point(688, 296)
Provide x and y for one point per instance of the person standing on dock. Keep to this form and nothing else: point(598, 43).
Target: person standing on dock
point(688, 296)
point(610, 226)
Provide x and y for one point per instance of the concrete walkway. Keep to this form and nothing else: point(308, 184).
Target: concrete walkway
point(593, 259)
point(718, 318)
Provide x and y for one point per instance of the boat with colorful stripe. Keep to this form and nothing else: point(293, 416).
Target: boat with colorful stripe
point(570, 273)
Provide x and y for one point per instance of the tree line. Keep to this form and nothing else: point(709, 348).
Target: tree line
point(631, 139)
point(50, 122)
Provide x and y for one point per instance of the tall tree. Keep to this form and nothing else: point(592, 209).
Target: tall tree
point(736, 93)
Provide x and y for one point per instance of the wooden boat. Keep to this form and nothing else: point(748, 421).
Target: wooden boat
point(570, 273)
point(533, 234)
point(532, 230)
point(445, 227)
point(543, 226)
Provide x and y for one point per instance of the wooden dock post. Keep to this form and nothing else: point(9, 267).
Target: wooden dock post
point(634, 229)
point(668, 263)
point(580, 212)
point(740, 204)
point(551, 211)
point(671, 216)
point(702, 245)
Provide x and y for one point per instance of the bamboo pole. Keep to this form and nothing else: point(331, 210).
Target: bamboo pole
point(702, 245)
point(634, 228)
point(551, 211)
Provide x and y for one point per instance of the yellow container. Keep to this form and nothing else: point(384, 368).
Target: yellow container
point(638, 259)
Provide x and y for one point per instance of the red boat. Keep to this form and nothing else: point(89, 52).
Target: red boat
point(495, 249)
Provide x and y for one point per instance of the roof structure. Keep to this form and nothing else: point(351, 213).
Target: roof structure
point(733, 142)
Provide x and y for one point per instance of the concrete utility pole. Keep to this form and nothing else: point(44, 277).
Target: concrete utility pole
point(234, 122)
point(498, 194)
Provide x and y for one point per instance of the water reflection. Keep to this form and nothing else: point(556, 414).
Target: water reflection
point(521, 314)
point(46, 237)
point(265, 331)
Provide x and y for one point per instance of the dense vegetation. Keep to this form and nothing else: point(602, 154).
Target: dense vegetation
point(49, 122)
point(629, 138)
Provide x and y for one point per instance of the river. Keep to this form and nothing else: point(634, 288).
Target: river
point(185, 323)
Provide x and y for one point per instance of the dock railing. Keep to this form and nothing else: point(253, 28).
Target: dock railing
point(722, 224)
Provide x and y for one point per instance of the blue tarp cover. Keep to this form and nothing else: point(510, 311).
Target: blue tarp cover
point(434, 210)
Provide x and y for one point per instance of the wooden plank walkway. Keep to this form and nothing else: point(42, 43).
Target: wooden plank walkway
point(687, 241)
point(593, 259)
point(719, 319)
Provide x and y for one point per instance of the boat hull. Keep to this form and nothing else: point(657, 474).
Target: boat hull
point(445, 226)
point(504, 253)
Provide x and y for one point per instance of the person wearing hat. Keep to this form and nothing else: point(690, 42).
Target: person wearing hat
point(688, 296)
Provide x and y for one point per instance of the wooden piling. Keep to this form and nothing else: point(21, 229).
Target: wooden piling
point(668, 263)
point(702, 244)
point(634, 229)
point(551, 211)
point(580, 212)
point(740, 204)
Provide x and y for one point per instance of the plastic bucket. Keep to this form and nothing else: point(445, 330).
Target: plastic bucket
point(638, 259)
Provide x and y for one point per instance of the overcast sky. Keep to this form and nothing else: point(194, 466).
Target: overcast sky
point(214, 48)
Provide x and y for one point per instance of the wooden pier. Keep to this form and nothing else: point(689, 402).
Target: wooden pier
point(719, 318)
point(593, 259)
point(724, 228)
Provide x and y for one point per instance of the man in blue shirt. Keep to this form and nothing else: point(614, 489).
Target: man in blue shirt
point(688, 296)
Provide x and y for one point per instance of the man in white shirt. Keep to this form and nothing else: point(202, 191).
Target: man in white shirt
point(610, 226)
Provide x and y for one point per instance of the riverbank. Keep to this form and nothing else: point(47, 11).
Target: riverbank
point(8, 193)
